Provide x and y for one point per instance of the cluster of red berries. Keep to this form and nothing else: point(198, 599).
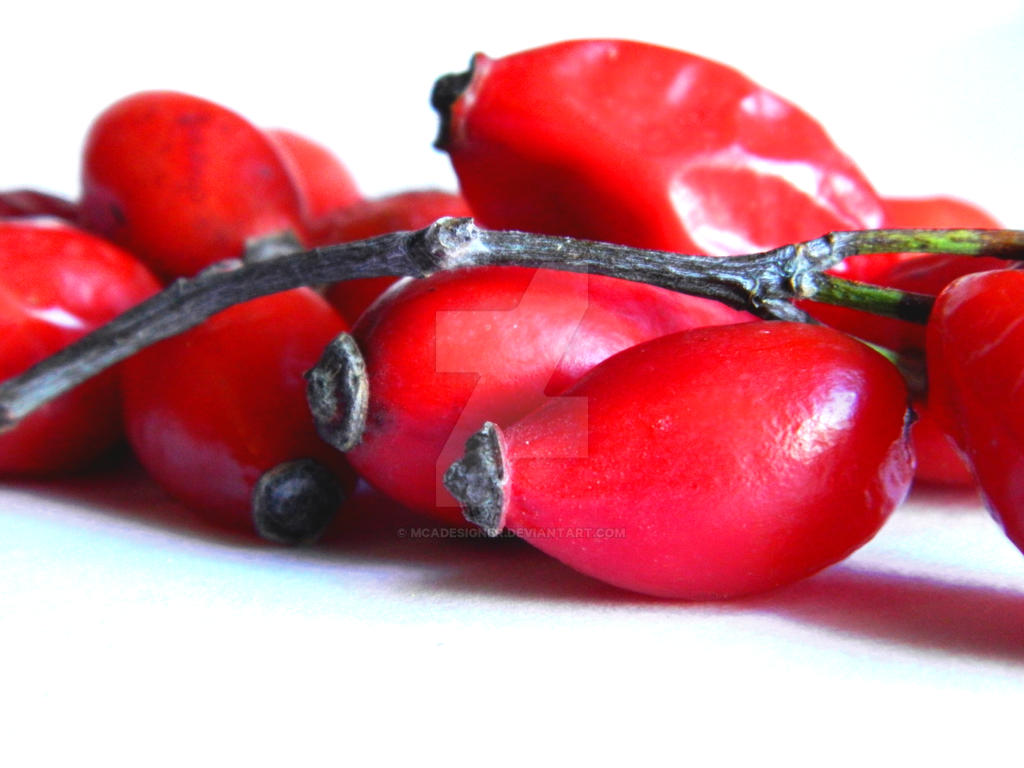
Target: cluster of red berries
point(172, 184)
point(665, 443)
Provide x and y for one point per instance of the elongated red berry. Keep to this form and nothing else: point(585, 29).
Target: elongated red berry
point(702, 465)
point(209, 412)
point(642, 145)
point(57, 283)
point(975, 370)
point(182, 182)
point(325, 185)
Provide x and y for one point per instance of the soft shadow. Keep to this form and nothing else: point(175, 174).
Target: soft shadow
point(951, 499)
point(374, 530)
point(370, 529)
point(121, 489)
point(930, 614)
point(891, 608)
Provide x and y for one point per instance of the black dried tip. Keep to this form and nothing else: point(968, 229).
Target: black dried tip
point(477, 480)
point(294, 502)
point(338, 393)
point(447, 91)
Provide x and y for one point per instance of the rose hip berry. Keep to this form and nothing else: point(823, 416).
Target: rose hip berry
point(922, 273)
point(975, 369)
point(632, 143)
point(58, 283)
point(210, 411)
point(325, 185)
point(706, 464)
point(182, 182)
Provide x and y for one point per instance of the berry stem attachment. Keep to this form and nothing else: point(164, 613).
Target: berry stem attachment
point(765, 284)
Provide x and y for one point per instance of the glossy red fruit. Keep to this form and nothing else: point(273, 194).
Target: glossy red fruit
point(445, 353)
point(325, 185)
point(379, 216)
point(706, 464)
point(641, 145)
point(183, 182)
point(57, 284)
point(24, 203)
point(210, 411)
point(975, 370)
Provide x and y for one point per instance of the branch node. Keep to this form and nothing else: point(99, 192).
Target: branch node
point(448, 243)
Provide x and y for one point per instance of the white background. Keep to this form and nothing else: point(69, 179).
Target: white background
point(128, 635)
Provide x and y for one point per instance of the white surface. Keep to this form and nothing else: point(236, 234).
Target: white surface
point(127, 633)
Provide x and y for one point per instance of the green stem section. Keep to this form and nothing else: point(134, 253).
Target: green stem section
point(765, 284)
point(889, 302)
point(998, 243)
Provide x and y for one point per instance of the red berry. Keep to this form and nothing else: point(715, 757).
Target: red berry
point(975, 367)
point(183, 183)
point(324, 184)
point(706, 464)
point(210, 411)
point(908, 271)
point(641, 145)
point(445, 353)
point(57, 284)
point(935, 212)
point(927, 274)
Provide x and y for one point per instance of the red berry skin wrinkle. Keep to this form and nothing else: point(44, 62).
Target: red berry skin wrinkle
point(710, 463)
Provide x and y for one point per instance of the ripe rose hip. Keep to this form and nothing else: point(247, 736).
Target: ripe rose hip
point(324, 184)
point(706, 464)
point(182, 182)
point(210, 411)
point(637, 144)
point(975, 369)
point(58, 283)
point(937, 458)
